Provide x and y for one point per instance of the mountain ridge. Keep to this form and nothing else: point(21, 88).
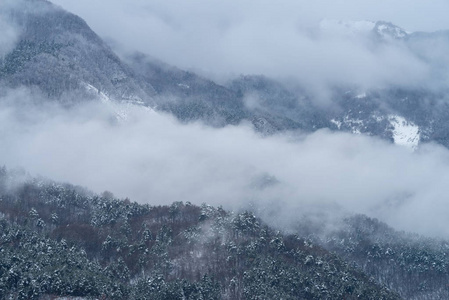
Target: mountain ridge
point(60, 55)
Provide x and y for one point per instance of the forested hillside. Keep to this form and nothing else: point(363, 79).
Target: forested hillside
point(415, 266)
point(62, 240)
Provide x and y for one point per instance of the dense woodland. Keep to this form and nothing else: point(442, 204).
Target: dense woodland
point(62, 240)
point(415, 266)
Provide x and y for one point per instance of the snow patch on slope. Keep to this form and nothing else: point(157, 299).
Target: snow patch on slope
point(121, 109)
point(183, 85)
point(405, 133)
point(354, 124)
point(337, 123)
point(361, 96)
point(389, 31)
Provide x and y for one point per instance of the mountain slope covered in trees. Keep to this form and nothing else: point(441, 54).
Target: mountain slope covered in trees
point(415, 266)
point(61, 240)
point(58, 55)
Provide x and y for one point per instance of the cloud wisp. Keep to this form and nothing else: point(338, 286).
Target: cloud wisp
point(281, 40)
point(151, 158)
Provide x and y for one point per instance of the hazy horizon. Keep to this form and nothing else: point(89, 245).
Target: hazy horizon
point(279, 39)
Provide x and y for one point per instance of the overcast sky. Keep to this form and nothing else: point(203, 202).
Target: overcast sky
point(280, 39)
point(204, 15)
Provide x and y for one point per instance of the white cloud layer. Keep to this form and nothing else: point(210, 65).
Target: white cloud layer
point(275, 38)
point(153, 159)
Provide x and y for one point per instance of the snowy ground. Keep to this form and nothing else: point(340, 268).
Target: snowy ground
point(404, 133)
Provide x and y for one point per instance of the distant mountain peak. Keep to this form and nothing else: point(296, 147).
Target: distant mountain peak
point(382, 29)
point(389, 30)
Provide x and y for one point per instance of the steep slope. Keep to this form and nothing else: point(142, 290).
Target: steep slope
point(415, 266)
point(188, 96)
point(58, 54)
point(275, 108)
point(267, 104)
point(404, 116)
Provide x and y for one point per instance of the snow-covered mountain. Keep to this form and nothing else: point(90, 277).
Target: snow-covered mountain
point(60, 56)
point(56, 56)
point(381, 29)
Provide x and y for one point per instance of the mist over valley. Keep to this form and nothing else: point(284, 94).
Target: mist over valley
point(317, 129)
